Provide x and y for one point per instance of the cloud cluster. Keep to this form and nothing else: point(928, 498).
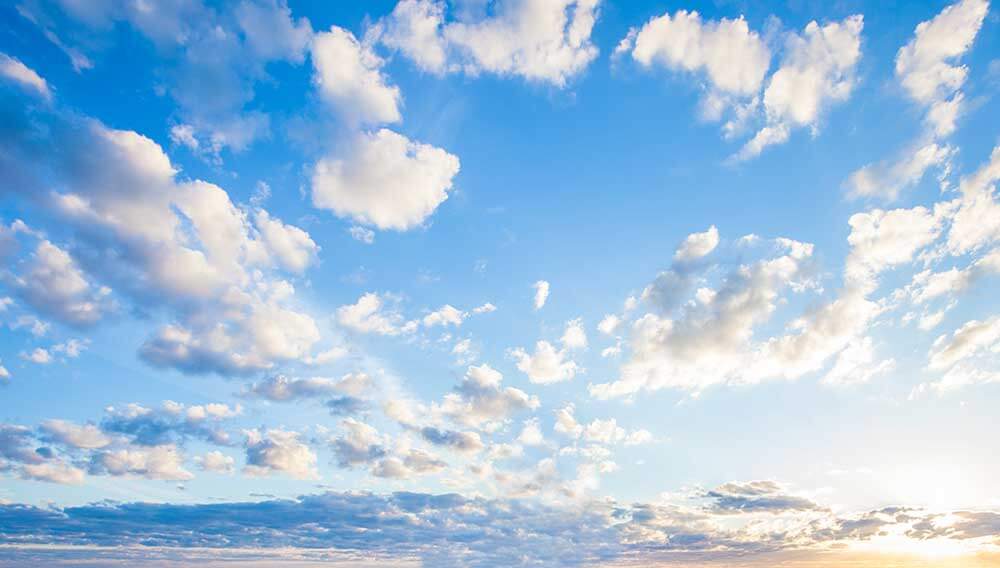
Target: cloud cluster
point(480, 401)
point(539, 40)
point(816, 71)
point(745, 519)
point(159, 241)
point(927, 70)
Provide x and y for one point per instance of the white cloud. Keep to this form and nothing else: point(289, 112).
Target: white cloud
point(85, 436)
point(359, 444)
point(733, 58)
point(367, 316)
point(156, 462)
point(414, 29)
point(541, 293)
point(575, 337)
point(817, 70)
point(445, 316)
point(531, 434)
point(976, 223)
point(37, 355)
point(928, 285)
point(292, 247)
point(162, 243)
point(13, 70)
point(54, 472)
point(271, 32)
point(857, 364)
point(54, 285)
point(604, 432)
point(279, 451)
point(566, 423)
point(887, 180)
point(540, 40)
point(349, 75)
point(710, 342)
point(280, 388)
point(925, 64)
point(362, 234)
point(484, 309)
point(262, 333)
point(184, 134)
point(546, 365)
point(609, 324)
point(481, 402)
point(217, 462)
point(818, 66)
point(697, 245)
point(882, 239)
point(385, 180)
point(965, 342)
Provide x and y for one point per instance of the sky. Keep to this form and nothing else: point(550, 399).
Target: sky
point(499, 283)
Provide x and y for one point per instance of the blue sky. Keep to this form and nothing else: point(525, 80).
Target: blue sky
point(679, 281)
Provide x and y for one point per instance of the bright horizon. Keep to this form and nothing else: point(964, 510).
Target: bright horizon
point(499, 282)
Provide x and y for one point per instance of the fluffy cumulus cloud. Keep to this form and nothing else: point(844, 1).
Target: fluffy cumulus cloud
point(882, 239)
point(445, 316)
point(480, 401)
point(86, 436)
point(928, 70)
point(546, 364)
point(159, 242)
point(169, 423)
point(694, 338)
point(540, 40)
point(575, 337)
point(709, 341)
point(385, 180)
point(685, 42)
point(131, 441)
point(52, 282)
point(371, 315)
point(816, 69)
point(349, 76)
point(216, 462)
point(697, 245)
point(279, 452)
point(163, 462)
point(23, 453)
point(926, 65)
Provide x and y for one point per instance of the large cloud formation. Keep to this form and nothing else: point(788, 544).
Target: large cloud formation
point(735, 519)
